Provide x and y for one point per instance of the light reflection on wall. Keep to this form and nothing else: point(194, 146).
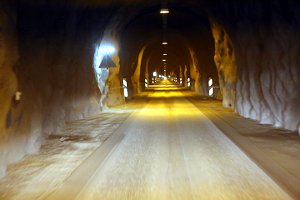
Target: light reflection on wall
point(102, 73)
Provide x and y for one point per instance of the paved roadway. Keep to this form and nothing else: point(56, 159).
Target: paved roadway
point(170, 150)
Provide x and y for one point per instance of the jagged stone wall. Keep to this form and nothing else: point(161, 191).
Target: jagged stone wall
point(266, 44)
point(194, 72)
point(269, 76)
point(8, 82)
point(135, 79)
point(226, 65)
point(114, 92)
point(110, 83)
point(8, 58)
point(48, 57)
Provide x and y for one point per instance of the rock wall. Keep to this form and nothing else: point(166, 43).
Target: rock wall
point(266, 45)
point(226, 65)
point(135, 79)
point(109, 80)
point(194, 72)
point(113, 94)
point(8, 82)
point(49, 60)
point(8, 58)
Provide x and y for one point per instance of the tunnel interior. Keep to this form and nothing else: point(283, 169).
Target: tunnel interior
point(189, 47)
point(50, 54)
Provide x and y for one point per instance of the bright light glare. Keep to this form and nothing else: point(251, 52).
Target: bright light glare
point(164, 11)
point(211, 91)
point(164, 60)
point(164, 43)
point(165, 54)
point(107, 49)
point(154, 74)
point(210, 82)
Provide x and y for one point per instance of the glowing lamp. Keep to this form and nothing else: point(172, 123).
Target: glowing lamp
point(164, 11)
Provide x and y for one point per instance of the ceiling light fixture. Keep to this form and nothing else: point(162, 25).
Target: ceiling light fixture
point(165, 54)
point(164, 43)
point(164, 11)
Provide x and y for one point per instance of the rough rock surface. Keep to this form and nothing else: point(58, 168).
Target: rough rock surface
point(54, 73)
point(226, 65)
point(266, 46)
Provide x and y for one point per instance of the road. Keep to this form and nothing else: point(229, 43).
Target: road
point(170, 150)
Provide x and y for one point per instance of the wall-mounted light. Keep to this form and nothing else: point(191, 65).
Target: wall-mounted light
point(164, 43)
point(164, 11)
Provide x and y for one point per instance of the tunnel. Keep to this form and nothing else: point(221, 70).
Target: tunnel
point(151, 99)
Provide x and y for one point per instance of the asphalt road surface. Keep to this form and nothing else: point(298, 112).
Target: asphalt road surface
point(169, 150)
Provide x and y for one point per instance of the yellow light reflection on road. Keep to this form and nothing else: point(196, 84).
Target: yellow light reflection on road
point(177, 108)
point(167, 112)
point(166, 94)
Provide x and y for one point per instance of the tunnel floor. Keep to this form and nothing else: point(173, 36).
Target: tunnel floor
point(175, 146)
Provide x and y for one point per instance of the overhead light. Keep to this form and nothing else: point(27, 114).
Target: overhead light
point(165, 54)
point(164, 11)
point(164, 43)
point(164, 60)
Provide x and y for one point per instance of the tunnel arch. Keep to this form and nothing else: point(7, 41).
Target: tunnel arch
point(201, 24)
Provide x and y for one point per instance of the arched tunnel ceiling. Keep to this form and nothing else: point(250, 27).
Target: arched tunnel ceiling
point(185, 30)
point(177, 54)
point(136, 23)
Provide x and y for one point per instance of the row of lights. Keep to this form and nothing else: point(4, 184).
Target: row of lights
point(164, 11)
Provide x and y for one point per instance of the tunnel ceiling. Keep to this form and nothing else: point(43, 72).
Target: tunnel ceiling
point(177, 55)
point(185, 29)
point(138, 24)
